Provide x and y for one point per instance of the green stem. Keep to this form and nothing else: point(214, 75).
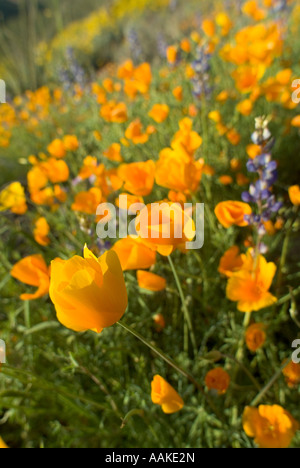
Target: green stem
point(240, 351)
point(267, 387)
point(184, 307)
point(244, 369)
point(173, 364)
point(285, 249)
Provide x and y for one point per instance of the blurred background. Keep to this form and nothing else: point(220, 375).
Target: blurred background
point(39, 38)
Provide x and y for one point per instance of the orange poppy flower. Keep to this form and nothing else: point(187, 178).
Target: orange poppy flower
point(247, 76)
point(249, 286)
point(175, 170)
point(222, 96)
point(33, 271)
point(164, 226)
point(37, 178)
point(231, 262)
point(185, 45)
point(296, 121)
point(134, 133)
point(270, 426)
point(57, 148)
point(294, 193)
point(125, 70)
point(231, 213)
point(186, 137)
point(217, 379)
point(292, 374)
point(89, 167)
point(226, 180)
point(108, 85)
point(253, 151)
point(138, 177)
point(215, 116)
point(83, 291)
point(41, 231)
point(114, 112)
point(209, 27)
point(223, 20)
point(159, 112)
point(163, 394)
point(71, 142)
point(87, 202)
point(150, 281)
point(56, 170)
point(255, 336)
point(251, 9)
point(134, 254)
point(233, 137)
point(245, 107)
point(178, 93)
point(113, 153)
point(172, 54)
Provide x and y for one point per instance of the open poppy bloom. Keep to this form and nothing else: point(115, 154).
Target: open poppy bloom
point(150, 281)
point(138, 177)
point(165, 226)
point(33, 271)
point(88, 293)
point(186, 137)
point(87, 202)
point(41, 231)
point(113, 153)
point(231, 213)
point(162, 393)
point(176, 170)
point(13, 198)
point(135, 134)
point(56, 170)
point(249, 286)
point(57, 148)
point(114, 112)
point(71, 142)
point(271, 426)
point(159, 112)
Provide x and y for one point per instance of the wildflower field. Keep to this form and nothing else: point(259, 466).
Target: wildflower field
point(150, 235)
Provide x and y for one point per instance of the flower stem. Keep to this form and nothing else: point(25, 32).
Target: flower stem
point(267, 387)
point(244, 369)
point(184, 307)
point(285, 249)
point(173, 364)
